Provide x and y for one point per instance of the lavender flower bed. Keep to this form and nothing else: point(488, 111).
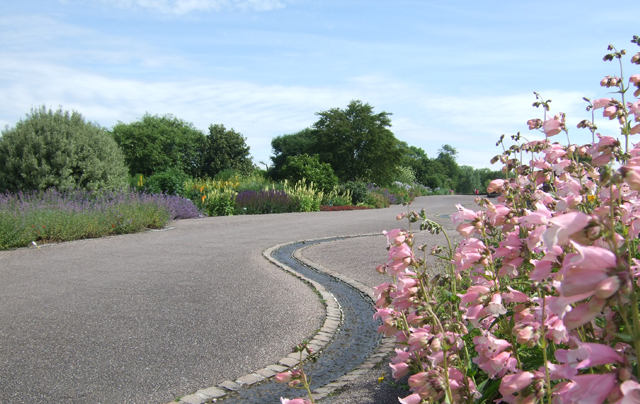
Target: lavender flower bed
point(252, 202)
point(51, 216)
point(384, 192)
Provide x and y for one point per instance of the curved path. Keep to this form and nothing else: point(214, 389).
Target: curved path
point(150, 317)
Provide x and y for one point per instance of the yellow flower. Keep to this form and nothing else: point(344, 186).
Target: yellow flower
point(591, 198)
point(380, 379)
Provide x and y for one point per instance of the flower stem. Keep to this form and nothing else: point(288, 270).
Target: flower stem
point(544, 350)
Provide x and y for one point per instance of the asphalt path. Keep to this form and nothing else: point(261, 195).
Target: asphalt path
point(149, 317)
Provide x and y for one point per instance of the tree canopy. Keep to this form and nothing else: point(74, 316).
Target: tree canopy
point(157, 143)
point(224, 149)
point(59, 149)
point(357, 143)
point(285, 146)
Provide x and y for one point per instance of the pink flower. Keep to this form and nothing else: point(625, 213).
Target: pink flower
point(513, 383)
point(589, 258)
point(635, 78)
point(399, 370)
point(294, 401)
point(495, 186)
point(589, 389)
point(284, 377)
point(463, 214)
point(515, 296)
point(634, 108)
point(395, 236)
point(542, 268)
point(553, 126)
point(630, 389)
point(495, 307)
point(587, 355)
point(562, 227)
point(610, 112)
point(600, 103)
point(412, 399)
point(584, 313)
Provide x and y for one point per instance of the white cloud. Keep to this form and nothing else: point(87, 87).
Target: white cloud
point(261, 111)
point(181, 7)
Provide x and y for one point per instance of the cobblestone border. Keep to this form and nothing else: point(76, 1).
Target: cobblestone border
point(332, 322)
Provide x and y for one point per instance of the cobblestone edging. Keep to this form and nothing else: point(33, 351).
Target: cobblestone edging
point(333, 320)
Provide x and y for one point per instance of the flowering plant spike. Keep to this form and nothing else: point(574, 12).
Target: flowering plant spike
point(540, 301)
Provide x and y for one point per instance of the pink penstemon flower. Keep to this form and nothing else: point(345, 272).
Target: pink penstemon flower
point(553, 261)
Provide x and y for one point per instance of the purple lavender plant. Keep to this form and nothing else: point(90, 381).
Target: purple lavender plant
point(272, 201)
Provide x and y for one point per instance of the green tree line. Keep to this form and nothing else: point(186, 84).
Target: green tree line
point(351, 145)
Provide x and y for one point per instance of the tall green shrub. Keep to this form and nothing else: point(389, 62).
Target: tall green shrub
point(157, 143)
point(59, 149)
point(311, 170)
point(172, 181)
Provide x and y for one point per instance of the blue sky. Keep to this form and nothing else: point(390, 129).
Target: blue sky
point(455, 72)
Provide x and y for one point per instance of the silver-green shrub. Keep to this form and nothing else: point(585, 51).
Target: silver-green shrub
point(59, 149)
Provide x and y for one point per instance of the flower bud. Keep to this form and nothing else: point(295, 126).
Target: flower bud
point(283, 377)
point(294, 383)
point(624, 375)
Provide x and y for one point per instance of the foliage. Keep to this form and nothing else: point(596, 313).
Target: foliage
point(405, 175)
point(265, 201)
point(358, 190)
point(224, 149)
point(220, 202)
point(157, 143)
point(256, 181)
point(59, 149)
point(54, 216)
point(376, 200)
point(215, 198)
point(469, 180)
point(310, 170)
point(447, 159)
point(288, 146)
point(308, 197)
point(171, 181)
point(357, 143)
point(228, 174)
point(337, 197)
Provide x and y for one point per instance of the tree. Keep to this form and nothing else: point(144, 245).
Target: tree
point(286, 146)
point(310, 169)
point(157, 143)
point(416, 159)
point(447, 158)
point(469, 180)
point(224, 149)
point(357, 143)
point(59, 149)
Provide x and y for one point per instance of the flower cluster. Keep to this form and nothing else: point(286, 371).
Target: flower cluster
point(540, 302)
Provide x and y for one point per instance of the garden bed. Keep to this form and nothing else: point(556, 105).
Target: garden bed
point(327, 208)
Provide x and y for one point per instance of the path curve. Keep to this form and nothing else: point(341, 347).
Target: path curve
point(151, 317)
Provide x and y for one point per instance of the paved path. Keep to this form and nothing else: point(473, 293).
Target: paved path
point(149, 317)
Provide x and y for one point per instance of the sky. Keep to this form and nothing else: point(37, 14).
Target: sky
point(451, 72)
